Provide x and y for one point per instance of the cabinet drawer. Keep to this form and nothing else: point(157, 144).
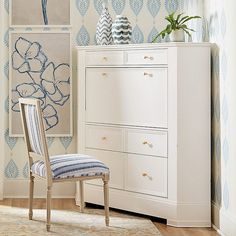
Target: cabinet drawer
point(146, 174)
point(106, 138)
point(147, 142)
point(127, 96)
point(104, 58)
point(115, 162)
point(147, 57)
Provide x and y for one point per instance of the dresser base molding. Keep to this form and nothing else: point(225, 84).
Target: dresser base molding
point(186, 223)
point(187, 215)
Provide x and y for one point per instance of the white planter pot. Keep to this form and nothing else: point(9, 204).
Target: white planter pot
point(177, 36)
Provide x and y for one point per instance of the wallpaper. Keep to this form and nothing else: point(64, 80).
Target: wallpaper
point(147, 19)
point(220, 18)
point(216, 23)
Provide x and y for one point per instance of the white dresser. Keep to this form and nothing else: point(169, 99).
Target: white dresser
point(144, 110)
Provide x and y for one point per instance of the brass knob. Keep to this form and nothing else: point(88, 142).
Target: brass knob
point(148, 74)
point(148, 57)
point(104, 58)
point(147, 143)
point(104, 74)
point(144, 174)
point(104, 138)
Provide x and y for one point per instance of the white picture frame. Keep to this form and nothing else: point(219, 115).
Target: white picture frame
point(40, 66)
point(39, 13)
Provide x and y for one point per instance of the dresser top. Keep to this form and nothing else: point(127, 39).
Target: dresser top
point(143, 46)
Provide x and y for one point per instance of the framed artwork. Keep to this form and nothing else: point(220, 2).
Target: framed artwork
point(30, 13)
point(40, 67)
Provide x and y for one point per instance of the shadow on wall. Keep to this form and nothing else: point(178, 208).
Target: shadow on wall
point(216, 184)
point(211, 34)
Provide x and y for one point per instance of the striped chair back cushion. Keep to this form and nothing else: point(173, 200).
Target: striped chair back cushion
point(32, 123)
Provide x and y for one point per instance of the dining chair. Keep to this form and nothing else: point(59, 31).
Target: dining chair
point(60, 168)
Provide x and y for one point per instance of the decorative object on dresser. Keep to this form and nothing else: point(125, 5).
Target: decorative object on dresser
point(121, 30)
point(104, 27)
point(144, 110)
point(176, 27)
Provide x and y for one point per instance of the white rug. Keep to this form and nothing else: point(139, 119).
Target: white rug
point(14, 222)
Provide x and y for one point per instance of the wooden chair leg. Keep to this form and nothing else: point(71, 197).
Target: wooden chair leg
point(81, 192)
point(31, 196)
point(49, 196)
point(106, 200)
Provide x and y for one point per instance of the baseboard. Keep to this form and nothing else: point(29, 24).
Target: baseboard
point(223, 222)
point(20, 189)
point(227, 224)
point(217, 230)
point(188, 224)
point(215, 214)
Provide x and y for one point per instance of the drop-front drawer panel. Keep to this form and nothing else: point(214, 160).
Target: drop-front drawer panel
point(146, 174)
point(104, 58)
point(127, 96)
point(115, 162)
point(147, 142)
point(106, 138)
point(147, 57)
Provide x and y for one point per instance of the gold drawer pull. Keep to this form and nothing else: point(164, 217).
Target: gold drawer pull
point(104, 74)
point(148, 74)
point(144, 174)
point(147, 143)
point(104, 58)
point(148, 57)
point(104, 138)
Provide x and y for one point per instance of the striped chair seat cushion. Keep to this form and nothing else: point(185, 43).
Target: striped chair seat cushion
point(71, 166)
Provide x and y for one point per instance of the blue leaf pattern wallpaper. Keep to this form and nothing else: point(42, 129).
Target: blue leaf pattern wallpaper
point(118, 6)
point(219, 18)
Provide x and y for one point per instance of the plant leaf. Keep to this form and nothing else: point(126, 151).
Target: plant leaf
point(186, 31)
point(190, 18)
point(178, 17)
point(183, 18)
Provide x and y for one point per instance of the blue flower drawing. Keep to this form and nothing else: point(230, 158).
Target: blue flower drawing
point(28, 57)
point(43, 79)
point(55, 84)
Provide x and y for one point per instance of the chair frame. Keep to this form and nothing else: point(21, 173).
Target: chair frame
point(49, 180)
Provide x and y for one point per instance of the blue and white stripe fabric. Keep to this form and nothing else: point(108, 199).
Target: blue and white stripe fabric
point(71, 166)
point(32, 122)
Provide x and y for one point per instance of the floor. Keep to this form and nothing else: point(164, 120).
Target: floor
point(69, 204)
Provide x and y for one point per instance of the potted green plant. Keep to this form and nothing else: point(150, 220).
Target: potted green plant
point(176, 27)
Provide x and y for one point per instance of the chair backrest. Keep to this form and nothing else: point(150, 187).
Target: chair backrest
point(34, 132)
